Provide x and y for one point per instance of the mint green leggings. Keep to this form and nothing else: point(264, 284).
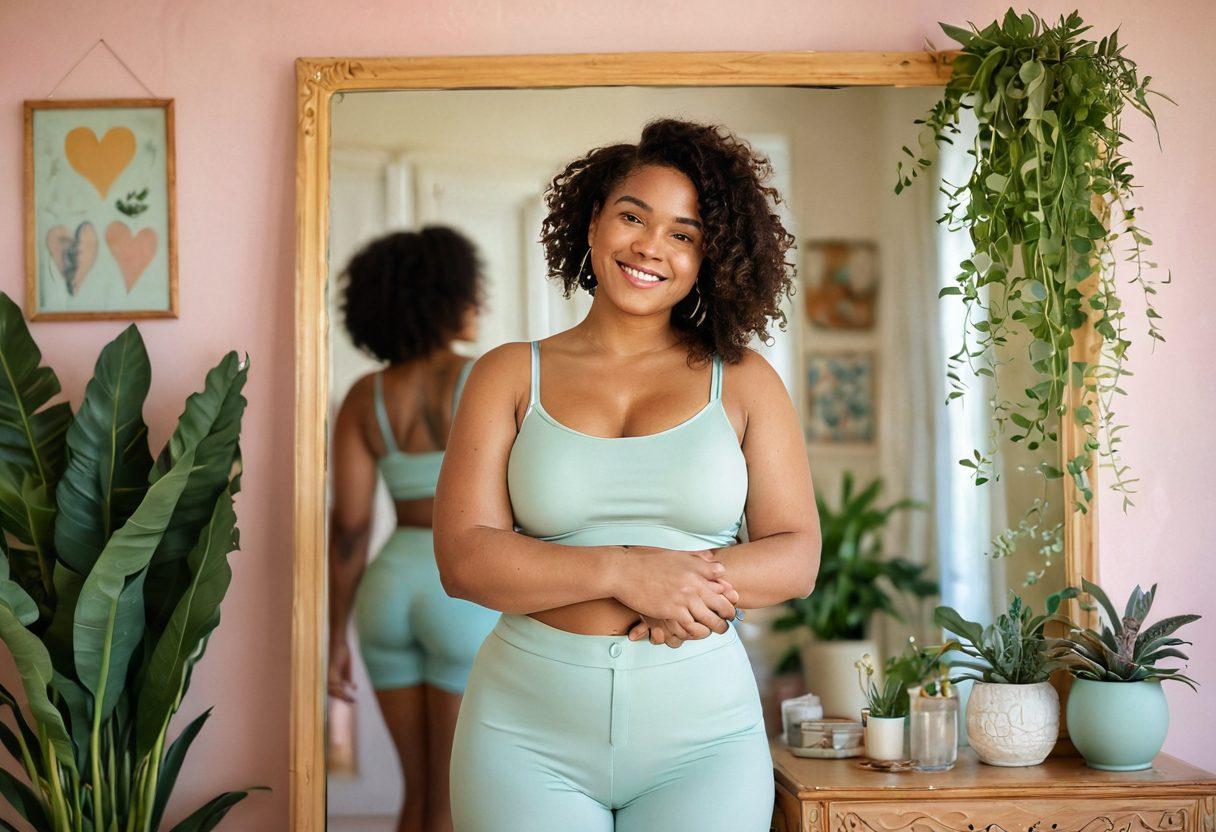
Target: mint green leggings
point(410, 631)
point(559, 731)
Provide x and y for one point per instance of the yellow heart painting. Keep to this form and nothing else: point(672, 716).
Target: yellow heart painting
point(132, 252)
point(102, 161)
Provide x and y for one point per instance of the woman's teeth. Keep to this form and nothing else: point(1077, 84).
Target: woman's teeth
point(643, 276)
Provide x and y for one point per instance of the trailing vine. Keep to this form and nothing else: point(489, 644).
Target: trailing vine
point(1050, 212)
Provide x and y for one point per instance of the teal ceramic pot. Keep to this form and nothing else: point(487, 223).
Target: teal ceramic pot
point(1117, 726)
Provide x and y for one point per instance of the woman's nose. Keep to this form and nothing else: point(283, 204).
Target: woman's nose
point(646, 243)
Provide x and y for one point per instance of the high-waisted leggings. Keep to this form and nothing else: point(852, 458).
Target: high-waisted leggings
point(410, 631)
point(559, 731)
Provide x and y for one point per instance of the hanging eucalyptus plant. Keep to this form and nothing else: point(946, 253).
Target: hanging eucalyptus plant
point(1050, 212)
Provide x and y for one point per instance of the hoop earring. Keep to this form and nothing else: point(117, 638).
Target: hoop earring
point(693, 314)
point(588, 282)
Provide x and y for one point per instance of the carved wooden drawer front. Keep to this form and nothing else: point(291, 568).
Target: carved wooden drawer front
point(1106, 814)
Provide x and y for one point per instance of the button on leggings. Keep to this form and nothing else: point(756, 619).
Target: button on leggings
point(559, 731)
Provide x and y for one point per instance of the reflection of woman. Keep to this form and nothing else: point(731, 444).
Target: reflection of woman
point(408, 296)
point(593, 491)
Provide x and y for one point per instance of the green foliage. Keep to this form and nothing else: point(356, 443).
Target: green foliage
point(856, 579)
point(1048, 174)
point(915, 666)
point(112, 574)
point(1013, 650)
point(885, 701)
point(1124, 650)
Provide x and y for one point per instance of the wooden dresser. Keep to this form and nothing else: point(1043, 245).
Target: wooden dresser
point(1061, 795)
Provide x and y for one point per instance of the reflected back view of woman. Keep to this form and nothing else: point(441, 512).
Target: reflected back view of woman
point(406, 298)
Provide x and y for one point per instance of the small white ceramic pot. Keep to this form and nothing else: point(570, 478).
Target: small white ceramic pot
point(885, 737)
point(1013, 725)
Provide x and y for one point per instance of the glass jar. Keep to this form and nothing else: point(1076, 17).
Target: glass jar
point(796, 711)
point(934, 730)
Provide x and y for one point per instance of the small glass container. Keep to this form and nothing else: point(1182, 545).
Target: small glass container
point(934, 730)
point(796, 711)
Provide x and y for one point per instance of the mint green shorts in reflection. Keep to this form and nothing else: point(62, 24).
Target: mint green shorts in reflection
point(559, 731)
point(411, 632)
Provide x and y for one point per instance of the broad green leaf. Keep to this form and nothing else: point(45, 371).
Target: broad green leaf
point(109, 618)
point(195, 616)
point(108, 455)
point(210, 814)
point(16, 598)
point(1099, 595)
point(31, 435)
point(34, 665)
point(172, 764)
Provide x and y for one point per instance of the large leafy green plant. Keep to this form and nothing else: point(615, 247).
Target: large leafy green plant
point(1013, 650)
point(113, 568)
point(1125, 650)
point(856, 579)
point(1048, 176)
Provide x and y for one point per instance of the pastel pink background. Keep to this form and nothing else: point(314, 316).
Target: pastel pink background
point(228, 64)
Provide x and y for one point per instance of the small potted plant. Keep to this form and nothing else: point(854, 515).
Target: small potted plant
point(1117, 713)
point(857, 579)
point(1013, 713)
point(884, 713)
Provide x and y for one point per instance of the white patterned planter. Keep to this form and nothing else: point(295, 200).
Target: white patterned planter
point(1013, 725)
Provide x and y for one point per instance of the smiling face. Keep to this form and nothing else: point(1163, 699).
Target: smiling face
point(647, 241)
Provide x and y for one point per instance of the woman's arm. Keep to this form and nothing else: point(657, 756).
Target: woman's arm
point(781, 558)
point(483, 559)
point(354, 488)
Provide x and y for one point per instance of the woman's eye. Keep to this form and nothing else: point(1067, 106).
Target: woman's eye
point(630, 217)
point(683, 238)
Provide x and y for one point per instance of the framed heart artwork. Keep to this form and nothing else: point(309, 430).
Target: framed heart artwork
point(100, 230)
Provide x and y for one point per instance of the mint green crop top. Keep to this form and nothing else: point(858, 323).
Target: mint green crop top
point(682, 488)
point(410, 476)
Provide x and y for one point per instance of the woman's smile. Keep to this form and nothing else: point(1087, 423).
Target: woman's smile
point(642, 278)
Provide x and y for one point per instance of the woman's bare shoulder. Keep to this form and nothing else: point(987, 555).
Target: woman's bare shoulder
point(752, 379)
point(505, 368)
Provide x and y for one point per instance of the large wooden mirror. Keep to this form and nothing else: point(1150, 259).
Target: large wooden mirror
point(470, 143)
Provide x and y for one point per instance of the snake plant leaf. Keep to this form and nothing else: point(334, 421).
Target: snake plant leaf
point(34, 665)
point(109, 619)
point(22, 798)
point(193, 619)
point(32, 436)
point(107, 453)
point(172, 764)
point(208, 816)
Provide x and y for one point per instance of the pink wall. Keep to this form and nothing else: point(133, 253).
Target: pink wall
point(228, 64)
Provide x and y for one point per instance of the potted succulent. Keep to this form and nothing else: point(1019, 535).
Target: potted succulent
point(1013, 712)
point(1117, 713)
point(884, 712)
point(856, 581)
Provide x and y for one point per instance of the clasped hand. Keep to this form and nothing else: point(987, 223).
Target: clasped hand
point(679, 596)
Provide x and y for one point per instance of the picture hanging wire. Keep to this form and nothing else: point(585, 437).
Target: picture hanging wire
point(89, 51)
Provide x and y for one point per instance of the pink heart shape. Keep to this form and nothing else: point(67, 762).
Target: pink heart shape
point(73, 254)
point(133, 253)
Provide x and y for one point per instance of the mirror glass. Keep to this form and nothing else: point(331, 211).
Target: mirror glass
point(864, 354)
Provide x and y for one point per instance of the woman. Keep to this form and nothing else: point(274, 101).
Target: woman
point(407, 297)
point(594, 490)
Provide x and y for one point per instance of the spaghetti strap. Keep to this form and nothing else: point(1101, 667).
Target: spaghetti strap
point(715, 383)
point(460, 380)
point(534, 390)
point(386, 430)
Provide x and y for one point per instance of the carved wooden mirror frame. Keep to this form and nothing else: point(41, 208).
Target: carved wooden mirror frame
point(318, 79)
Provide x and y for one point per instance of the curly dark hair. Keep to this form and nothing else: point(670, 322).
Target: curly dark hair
point(405, 294)
point(744, 272)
